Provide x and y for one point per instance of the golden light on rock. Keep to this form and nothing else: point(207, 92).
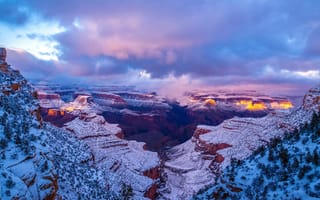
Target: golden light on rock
point(52, 112)
point(256, 106)
point(252, 106)
point(282, 105)
point(210, 102)
point(68, 109)
point(244, 102)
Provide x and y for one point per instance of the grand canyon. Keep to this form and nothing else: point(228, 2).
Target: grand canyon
point(171, 100)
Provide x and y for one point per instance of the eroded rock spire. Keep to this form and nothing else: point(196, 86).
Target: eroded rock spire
point(3, 55)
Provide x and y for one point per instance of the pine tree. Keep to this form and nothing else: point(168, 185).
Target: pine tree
point(17, 139)
point(314, 121)
point(270, 155)
point(126, 191)
point(315, 158)
point(3, 119)
point(296, 134)
point(309, 157)
point(284, 156)
point(295, 164)
point(7, 131)
point(3, 143)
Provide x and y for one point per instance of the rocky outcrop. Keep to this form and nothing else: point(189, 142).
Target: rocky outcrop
point(56, 116)
point(49, 100)
point(153, 173)
point(311, 100)
point(37, 175)
point(119, 156)
point(109, 99)
point(151, 193)
point(200, 131)
point(3, 56)
point(212, 147)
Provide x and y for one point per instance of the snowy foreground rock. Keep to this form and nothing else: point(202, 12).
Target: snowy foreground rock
point(194, 164)
point(26, 169)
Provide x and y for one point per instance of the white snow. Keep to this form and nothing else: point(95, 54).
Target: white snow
point(244, 135)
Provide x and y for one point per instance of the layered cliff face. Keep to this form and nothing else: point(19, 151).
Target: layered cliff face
point(287, 168)
point(195, 163)
point(128, 160)
point(26, 168)
point(123, 162)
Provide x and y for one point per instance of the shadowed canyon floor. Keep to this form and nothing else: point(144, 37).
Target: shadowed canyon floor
point(170, 127)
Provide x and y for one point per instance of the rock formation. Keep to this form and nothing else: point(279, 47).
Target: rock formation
point(114, 154)
point(3, 56)
point(195, 163)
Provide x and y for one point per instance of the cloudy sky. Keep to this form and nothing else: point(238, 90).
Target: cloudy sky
point(262, 44)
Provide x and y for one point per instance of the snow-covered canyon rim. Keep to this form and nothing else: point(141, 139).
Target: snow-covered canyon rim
point(162, 125)
point(159, 122)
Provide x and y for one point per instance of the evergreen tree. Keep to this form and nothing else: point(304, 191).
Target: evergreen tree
point(315, 158)
point(3, 143)
point(284, 156)
point(309, 157)
point(296, 134)
point(17, 139)
point(7, 131)
point(270, 155)
point(295, 164)
point(314, 121)
point(126, 191)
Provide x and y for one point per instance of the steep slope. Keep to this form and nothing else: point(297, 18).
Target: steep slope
point(286, 169)
point(128, 160)
point(39, 161)
point(195, 163)
point(73, 161)
point(25, 167)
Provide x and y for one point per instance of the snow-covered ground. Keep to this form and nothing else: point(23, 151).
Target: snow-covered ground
point(127, 159)
point(194, 163)
point(37, 160)
point(287, 169)
point(26, 170)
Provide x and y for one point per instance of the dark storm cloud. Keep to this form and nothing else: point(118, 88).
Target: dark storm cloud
point(313, 43)
point(221, 40)
point(12, 13)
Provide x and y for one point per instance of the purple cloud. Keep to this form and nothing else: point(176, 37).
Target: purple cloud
point(213, 41)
